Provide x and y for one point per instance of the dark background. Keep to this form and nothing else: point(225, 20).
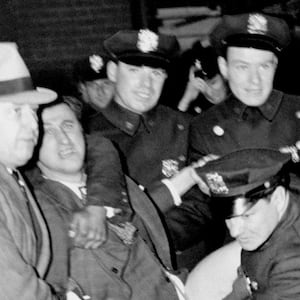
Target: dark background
point(53, 34)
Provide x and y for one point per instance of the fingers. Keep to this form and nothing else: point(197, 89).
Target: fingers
point(88, 228)
point(204, 160)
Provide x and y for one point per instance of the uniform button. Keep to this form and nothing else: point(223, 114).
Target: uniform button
point(197, 109)
point(181, 158)
point(129, 125)
point(124, 193)
point(180, 126)
point(219, 131)
point(298, 114)
point(115, 270)
point(124, 200)
point(151, 123)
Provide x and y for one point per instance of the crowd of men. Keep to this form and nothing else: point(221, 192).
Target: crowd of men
point(122, 196)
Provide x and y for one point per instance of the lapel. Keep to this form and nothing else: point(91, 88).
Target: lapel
point(20, 215)
point(43, 259)
point(145, 209)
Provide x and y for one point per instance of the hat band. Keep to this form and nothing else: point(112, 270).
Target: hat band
point(16, 86)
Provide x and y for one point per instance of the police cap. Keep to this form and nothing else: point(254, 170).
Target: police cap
point(253, 30)
point(90, 68)
point(250, 174)
point(142, 47)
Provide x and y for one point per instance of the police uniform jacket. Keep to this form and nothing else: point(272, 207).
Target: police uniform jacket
point(24, 259)
point(114, 270)
point(232, 125)
point(152, 146)
point(274, 268)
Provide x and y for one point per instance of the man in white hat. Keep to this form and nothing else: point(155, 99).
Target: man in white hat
point(24, 240)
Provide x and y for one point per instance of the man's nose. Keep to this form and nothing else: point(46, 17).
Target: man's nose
point(254, 75)
point(235, 226)
point(146, 79)
point(30, 118)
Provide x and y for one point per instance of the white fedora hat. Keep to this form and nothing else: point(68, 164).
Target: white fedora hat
point(15, 81)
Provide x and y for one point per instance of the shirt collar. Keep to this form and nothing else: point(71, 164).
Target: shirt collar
point(126, 120)
point(268, 109)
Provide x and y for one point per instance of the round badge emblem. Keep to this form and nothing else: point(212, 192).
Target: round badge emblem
point(219, 131)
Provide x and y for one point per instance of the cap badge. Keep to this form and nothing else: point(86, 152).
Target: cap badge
point(170, 167)
point(147, 41)
point(257, 24)
point(96, 62)
point(216, 183)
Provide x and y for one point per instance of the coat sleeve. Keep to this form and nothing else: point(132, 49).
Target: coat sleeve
point(18, 279)
point(105, 179)
point(161, 196)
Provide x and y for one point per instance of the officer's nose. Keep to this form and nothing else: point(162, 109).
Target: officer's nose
point(254, 75)
point(146, 79)
point(235, 226)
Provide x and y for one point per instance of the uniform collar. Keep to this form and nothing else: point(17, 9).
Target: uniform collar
point(268, 109)
point(126, 120)
point(288, 219)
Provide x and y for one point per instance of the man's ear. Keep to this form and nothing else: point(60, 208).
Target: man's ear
point(111, 70)
point(222, 63)
point(280, 199)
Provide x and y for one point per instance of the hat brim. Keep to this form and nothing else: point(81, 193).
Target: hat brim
point(143, 59)
point(256, 41)
point(38, 96)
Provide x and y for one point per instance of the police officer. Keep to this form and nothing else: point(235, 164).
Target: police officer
point(254, 115)
point(152, 139)
point(250, 189)
point(94, 88)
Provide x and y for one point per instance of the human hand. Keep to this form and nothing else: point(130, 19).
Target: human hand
point(88, 227)
point(198, 164)
point(194, 86)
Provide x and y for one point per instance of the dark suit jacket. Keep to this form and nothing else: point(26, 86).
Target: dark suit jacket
point(22, 265)
point(114, 270)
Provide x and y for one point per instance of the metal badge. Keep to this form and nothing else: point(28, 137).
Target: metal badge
point(257, 24)
point(96, 62)
point(147, 41)
point(216, 183)
point(170, 167)
point(218, 130)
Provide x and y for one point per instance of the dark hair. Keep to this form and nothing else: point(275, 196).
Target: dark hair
point(75, 105)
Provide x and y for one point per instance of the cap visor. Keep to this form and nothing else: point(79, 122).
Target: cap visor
point(149, 60)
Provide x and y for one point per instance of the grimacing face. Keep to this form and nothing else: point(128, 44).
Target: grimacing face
point(18, 133)
point(137, 88)
point(252, 228)
point(250, 73)
point(62, 152)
